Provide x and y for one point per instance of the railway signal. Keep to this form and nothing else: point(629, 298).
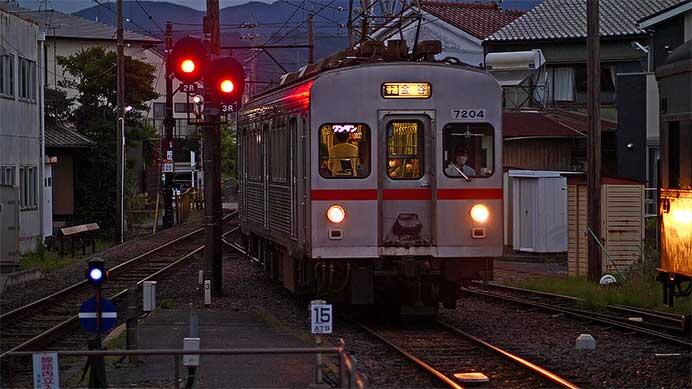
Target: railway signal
point(225, 79)
point(96, 272)
point(188, 59)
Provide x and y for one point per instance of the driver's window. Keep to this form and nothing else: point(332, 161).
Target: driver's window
point(468, 150)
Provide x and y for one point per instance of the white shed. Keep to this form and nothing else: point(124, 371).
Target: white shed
point(539, 211)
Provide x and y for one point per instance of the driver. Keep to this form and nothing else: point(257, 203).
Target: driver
point(459, 164)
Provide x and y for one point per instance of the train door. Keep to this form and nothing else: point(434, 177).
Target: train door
point(406, 182)
point(264, 140)
point(293, 174)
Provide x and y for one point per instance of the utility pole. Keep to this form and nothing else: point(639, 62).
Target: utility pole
point(120, 131)
point(364, 25)
point(213, 265)
point(167, 144)
point(593, 70)
point(349, 24)
point(311, 39)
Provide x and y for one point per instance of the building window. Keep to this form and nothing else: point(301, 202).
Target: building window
point(27, 79)
point(563, 84)
point(159, 110)
point(7, 75)
point(183, 107)
point(7, 175)
point(27, 187)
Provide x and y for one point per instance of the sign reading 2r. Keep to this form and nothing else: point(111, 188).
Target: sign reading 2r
point(468, 114)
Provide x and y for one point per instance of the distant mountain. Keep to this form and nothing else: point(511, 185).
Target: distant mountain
point(281, 22)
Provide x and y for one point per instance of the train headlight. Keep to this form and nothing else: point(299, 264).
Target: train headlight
point(480, 213)
point(336, 214)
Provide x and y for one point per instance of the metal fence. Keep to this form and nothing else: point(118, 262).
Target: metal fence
point(347, 374)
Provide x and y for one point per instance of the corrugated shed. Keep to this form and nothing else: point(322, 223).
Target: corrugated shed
point(622, 227)
point(566, 19)
point(479, 20)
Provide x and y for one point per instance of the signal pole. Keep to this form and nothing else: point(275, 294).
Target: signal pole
point(169, 124)
point(593, 70)
point(213, 266)
point(311, 49)
point(120, 127)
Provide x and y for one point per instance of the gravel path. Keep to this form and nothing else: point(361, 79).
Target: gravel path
point(621, 359)
point(68, 275)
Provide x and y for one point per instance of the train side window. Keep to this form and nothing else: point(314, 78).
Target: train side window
point(344, 150)
point(279, 147)
point(405, 149)
point(468, 150)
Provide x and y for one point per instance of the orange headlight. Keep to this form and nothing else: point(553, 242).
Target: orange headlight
point(480, 213)
point(336, 214)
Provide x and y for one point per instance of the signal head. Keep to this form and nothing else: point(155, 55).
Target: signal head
point(96, 272)
point(226, 78)
point(187, 60)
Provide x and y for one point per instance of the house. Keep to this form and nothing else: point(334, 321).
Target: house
point(22, 162)
point(461, 27)
point(64, 147)
point(558, 29)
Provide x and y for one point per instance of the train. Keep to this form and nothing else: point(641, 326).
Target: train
point(675, 191)
point(374, 177)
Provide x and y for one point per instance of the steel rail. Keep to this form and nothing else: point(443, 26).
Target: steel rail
point(552, 377)
point(74, 319)
point(117, 269)
point(431, 370)
point(583, 315)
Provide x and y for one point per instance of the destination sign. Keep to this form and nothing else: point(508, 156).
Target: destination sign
point(406, 90)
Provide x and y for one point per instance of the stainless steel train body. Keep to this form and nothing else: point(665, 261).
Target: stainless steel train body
point(375, 145)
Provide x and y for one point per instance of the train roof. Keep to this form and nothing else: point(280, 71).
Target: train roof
point(369, 53)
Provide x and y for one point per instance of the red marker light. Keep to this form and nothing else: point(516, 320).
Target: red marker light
point(188, 66)
point(227, 86)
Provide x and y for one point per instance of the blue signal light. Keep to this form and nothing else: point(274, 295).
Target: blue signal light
point(96, 274)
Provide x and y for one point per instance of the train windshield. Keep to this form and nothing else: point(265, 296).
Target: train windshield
point(405, 149)
point(344, 150)
point(468, 150)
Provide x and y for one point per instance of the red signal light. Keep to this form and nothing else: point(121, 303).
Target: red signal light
point(227, 86)
point(188, 60)
point(188, 66)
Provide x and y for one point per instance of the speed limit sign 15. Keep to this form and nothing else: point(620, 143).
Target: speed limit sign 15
point(321, 318)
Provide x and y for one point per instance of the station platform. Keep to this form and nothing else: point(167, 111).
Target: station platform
point(166, 328)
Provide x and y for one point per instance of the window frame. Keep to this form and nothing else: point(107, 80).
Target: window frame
point(26, 80)
point(8, 175)
point(444, 148)
point(7, 84)
point(421, 149)
point(319, 156)
point(154, 110)
point(189, 108)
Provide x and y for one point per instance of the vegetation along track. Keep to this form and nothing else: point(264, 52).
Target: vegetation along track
point(444, 350)
point(662, 325)
point(35, 324)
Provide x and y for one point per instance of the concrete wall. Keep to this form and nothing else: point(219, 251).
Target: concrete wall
point(20, 133)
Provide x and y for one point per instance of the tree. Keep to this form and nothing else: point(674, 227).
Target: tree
point(93, 76)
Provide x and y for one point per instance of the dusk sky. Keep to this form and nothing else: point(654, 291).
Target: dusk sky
point(76, 5)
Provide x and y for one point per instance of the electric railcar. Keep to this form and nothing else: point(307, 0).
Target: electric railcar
point(376, 183)
point(675, 194)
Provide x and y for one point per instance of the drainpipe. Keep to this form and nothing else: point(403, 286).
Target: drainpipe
point(41, 59)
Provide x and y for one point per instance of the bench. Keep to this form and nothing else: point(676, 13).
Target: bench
point(84, 233)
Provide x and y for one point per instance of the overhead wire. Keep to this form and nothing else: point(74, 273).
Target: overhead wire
point(150, 17)
point(148, 32)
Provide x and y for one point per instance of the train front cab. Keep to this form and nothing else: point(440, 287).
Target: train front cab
point(675, 195)
point(389, 212)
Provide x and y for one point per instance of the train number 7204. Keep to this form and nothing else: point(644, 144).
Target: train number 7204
point(468, 114)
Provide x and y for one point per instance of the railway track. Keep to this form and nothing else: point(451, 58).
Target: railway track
point(446, 353)
point(662, 325)
point(36, 324)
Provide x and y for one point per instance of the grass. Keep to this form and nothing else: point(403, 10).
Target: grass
point(45, 260)
point(639, 289)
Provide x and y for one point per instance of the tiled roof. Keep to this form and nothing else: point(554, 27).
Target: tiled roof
point(479, 20)
point(547, 124)
point(74, 27)
point(566, 19)
point(61, 137)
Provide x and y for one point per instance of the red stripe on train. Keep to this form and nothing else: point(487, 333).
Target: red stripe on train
point(343, 194)
point(470, 194)
point(406, 194)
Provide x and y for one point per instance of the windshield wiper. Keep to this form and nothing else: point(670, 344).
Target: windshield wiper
point(462, 173)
